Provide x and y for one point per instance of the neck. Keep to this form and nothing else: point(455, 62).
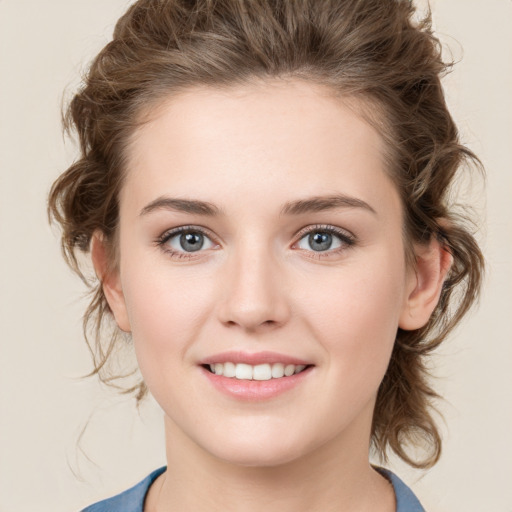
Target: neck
point(196, 480)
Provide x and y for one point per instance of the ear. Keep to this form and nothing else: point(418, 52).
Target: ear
point(110, 281)
point(425, 283)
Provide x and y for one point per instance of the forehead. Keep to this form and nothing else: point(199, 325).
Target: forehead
point(287, 136)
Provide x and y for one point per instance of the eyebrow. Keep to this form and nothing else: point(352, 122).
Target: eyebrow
point(323, 203)
point(298, 207)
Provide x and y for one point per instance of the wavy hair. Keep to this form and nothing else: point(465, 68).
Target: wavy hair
point(369, 50)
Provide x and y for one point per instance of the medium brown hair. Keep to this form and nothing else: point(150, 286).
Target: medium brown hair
point(369, 50)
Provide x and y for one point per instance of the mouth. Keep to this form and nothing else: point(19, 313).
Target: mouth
point(258, 372)
point(255, 376)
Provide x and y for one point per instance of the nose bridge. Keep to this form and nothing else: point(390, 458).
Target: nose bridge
point(254, 293)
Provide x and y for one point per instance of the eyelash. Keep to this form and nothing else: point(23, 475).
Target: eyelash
point(347, 240)
point(168, 235)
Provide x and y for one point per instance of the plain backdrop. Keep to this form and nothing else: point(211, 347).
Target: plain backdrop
point(48, 461)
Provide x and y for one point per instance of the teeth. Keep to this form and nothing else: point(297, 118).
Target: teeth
point(244, 371)
point(229, 370)
point(289, 370)
point(262, 372)
point(277, 370)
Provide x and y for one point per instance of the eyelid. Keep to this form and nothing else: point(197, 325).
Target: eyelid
point(182, 229)
point(347, 239)
point(162, 240)
point(342, 233)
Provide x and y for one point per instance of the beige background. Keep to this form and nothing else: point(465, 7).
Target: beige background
point(45, 462)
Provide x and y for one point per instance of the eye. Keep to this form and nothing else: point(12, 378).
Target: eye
point(182, 241)
point(325, 238)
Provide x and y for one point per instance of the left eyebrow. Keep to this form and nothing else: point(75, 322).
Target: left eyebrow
point(323, 203)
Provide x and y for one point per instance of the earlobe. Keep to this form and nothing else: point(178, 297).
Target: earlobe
point(433, 262)
point(110, 281)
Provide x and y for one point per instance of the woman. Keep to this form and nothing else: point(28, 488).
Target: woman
point(263, 188)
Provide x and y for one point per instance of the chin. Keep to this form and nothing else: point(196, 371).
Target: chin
point(262, 458)
point(257, 450)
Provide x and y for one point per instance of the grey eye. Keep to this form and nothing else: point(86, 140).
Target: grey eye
point(189, 241)
point(320, 241)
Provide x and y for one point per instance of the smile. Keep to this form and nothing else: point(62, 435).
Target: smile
point(267, 371)
point(254, 377)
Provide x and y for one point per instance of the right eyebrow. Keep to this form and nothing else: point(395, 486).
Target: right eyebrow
point(182, 205)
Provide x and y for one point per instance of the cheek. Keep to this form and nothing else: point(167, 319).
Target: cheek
point(356, 315)
point(167, 310)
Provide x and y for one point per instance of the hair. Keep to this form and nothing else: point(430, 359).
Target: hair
point(372, 51)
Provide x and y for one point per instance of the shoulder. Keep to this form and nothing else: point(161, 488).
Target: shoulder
point(406, 501)
point(131, 500)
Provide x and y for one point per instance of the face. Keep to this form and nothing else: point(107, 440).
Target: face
point(261, 271)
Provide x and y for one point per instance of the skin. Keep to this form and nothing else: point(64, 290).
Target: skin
point(258, 284)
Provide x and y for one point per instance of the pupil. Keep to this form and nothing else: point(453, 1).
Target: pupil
point(320, 241)
point(191, 241)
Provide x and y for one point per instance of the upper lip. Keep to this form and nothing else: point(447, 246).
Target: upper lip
point(253, 359)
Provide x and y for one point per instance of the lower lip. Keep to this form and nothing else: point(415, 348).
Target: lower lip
point(255, 390)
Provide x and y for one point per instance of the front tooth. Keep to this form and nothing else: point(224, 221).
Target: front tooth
point(277, 370)
point(229, 370)
point(262, 372)
point(243, 371)
point(289, 370)
point(265, 371)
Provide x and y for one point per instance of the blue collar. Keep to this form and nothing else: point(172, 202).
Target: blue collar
point(132, 500)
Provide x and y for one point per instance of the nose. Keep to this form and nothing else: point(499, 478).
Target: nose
point(254, 292)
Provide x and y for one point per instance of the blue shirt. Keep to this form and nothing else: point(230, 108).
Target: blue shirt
point(132, 500)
